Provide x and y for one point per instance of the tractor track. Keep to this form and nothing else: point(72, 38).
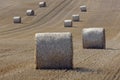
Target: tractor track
point(28, 32)
point(50, 14)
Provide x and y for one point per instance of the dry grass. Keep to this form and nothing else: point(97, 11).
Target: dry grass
point(17, 40)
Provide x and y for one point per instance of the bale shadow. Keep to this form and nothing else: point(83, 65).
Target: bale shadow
point(81, 69)
point(77, 69)
point(54, 68)
point(68, 26)
point(111, 49)
point(18, 23)
point(74, 69)
point(78, 21)
point(35, 15)
point(85, 70)
point(32, 15)
point(84, 11)
point(93, 49)
point(72, 27)
point(44, 6)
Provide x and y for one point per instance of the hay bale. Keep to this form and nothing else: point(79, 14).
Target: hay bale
point(30, 12)
point(67, 23)
point(75, 17)
point(17, 19)
point(94, 38)
point(54, 50)
point(83, 8)
point(42, 4)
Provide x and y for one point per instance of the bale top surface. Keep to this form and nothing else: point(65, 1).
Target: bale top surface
point(87, 30)
point(42, 2)
point(83, 6)
point(67, 20)
point(29, 10)
point(75, 15)
point(16, 17)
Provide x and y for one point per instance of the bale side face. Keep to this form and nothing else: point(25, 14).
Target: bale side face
point(83, 8)
point(17, 19)
point(30, 12)
point(67, 23)
point(54, 51)
point(42, 4)
point(75, 17)
point(94, 38)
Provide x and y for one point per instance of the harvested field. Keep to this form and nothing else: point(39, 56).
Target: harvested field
point(17, 42)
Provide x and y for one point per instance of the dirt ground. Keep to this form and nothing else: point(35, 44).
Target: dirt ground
point(17, 42)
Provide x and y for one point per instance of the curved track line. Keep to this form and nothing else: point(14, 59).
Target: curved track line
point(63, 4)
point(27, 32)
